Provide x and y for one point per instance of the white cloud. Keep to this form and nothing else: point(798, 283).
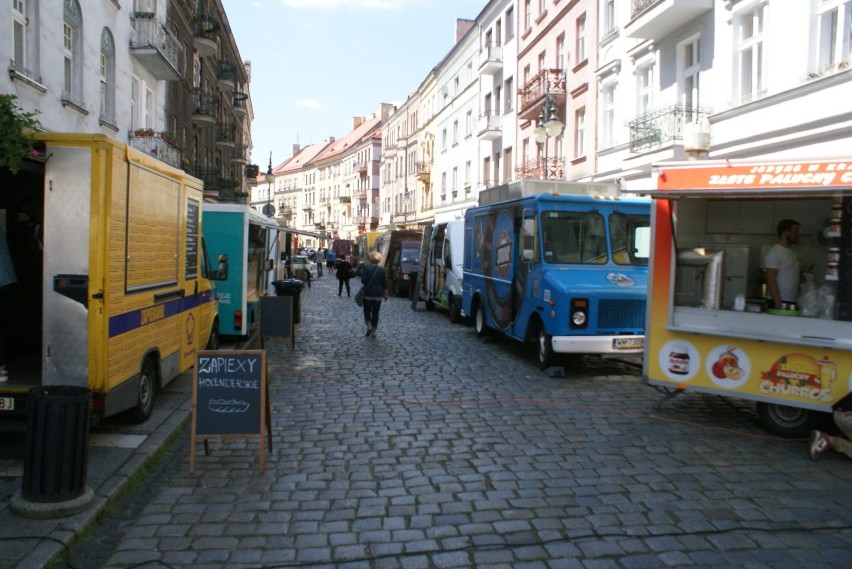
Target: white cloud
point(352, 4)
point(308, 104)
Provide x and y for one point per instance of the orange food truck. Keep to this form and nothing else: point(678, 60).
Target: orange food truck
point(712, 326)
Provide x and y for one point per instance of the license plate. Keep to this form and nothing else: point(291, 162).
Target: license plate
point(628, 343)
point(7, 404)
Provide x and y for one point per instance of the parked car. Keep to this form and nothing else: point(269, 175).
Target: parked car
point(303, 268)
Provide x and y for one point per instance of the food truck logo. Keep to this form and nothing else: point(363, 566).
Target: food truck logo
point(799, 375)
point(503, 262)
point(620, 279)
point(728, 366)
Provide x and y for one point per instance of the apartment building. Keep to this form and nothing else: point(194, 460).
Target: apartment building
point(498, 57)
point(164, 75)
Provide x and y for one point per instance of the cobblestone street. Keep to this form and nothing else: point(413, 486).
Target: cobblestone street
point(427, 448)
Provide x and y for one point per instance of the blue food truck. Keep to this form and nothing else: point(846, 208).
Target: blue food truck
point(562, 266)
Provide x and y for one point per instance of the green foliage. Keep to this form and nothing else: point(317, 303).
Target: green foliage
point(16, 126)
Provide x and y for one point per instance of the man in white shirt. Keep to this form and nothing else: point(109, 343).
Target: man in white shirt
point(782, 265)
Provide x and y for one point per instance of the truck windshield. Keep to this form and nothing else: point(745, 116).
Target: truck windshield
point(410, 255)
point(630, 237)
point(573, 237)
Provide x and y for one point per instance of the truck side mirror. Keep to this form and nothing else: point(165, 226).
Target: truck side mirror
point(222, 270)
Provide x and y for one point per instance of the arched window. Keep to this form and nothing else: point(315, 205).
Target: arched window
point(72, 53)
point(107, 78)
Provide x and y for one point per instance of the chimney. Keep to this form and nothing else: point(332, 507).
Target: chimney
point(462, 27)
point(356, 122)
point(296, 149)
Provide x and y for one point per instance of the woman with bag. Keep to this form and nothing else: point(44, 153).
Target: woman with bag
point(375, 289)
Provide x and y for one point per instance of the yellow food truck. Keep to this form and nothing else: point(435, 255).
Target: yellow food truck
point(113, 289)
point(712, 326)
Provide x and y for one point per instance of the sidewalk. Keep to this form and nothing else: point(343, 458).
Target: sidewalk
point(117, 451)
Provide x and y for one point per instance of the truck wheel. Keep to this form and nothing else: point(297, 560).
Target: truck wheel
point(544, 349)
point(454, 305)
point(479, 324)
point(147, 391)
point(787, 421)
point(213, 342)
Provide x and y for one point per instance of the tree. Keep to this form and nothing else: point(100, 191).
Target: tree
point(16, 127)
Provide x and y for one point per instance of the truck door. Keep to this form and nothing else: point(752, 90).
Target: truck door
point(525, 253)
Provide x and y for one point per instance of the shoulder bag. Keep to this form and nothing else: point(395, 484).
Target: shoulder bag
point(359, 296)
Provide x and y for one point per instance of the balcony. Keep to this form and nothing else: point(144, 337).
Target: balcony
point(344, 199)
point(491, 59)
point(226, 135)
point(423, 172)
point(204, 107)
point(656, 19)
point(319, 225)
point(226, 76)
point(204, 38)
point(286, 212)
point(366, 220)
point(663, 126)
point(362, 197)
point(552, 168)
point(238, 104)
point(361, 168)
point(239, 156)
point(532, 94)
point(490, 126)
point(157, 144)
point(307, 207)
point(154, 47)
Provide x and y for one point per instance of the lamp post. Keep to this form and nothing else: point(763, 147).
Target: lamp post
point(269, 209)
point(548, 126)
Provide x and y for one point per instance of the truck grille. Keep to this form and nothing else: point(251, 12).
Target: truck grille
point(621, 314)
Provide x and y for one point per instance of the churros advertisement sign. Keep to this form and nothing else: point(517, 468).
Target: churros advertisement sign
point(786, 176)
point(783, 373)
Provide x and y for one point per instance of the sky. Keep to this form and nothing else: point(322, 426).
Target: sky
point(316, 64)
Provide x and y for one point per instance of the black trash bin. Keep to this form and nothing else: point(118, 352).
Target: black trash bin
point(293, 288)
point(57, 452)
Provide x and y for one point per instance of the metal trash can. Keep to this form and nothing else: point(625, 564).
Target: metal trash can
point(57, 443)
point(293, 288)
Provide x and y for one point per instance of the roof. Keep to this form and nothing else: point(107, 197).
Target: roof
point(364, 132)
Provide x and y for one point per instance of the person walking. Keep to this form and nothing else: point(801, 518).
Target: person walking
point(318, 259)
point(329, 259)
point(375, 282)
point(344, 270)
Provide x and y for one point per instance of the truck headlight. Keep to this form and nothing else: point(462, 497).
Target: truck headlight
point(579, 312)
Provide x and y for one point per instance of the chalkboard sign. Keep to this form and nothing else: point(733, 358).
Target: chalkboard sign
point(229, 398)
point(276, 318)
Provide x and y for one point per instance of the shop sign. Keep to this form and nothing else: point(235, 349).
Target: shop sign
point(818, 174)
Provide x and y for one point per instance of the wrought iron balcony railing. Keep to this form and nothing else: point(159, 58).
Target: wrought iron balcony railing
point(662, 126)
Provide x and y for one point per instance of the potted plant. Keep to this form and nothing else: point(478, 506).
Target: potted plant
point(16, 126)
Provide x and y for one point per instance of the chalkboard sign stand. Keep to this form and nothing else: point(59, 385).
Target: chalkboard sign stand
point(277, 318)
point(230, 399)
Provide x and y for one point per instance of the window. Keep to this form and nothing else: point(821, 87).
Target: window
point(455, 179)
point(573, 237)
point(468, 123)
point(444, 139)
point(560, 52)
point(455, 132)
point(625, 235)
point(507, 165)
point(107, 77)
point(542, 8)
point(748, 29)
point(581, 39)
point(149, 108)
point(644, 87)
point(498, 94)
point(134, 103)
point(509, 90)
point(443, 182)
point(608, 20)
point(467, 174)
point(527, 15)
point(607, 126)
point(542, 61)
point(580, 133)
point(510, 23)
point(19, 33)
point(498, 33)
point(688, 54)
point(72, 51)
point(834, 33)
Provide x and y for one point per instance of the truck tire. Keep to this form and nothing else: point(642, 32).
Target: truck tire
point(786, 421)
point(482, 329)
point(454, 304)
point(544, 349)
point(213, 342)
point(146, 392)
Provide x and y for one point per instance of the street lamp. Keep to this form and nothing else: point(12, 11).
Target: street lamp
point(548, 126)
point(269, 209)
